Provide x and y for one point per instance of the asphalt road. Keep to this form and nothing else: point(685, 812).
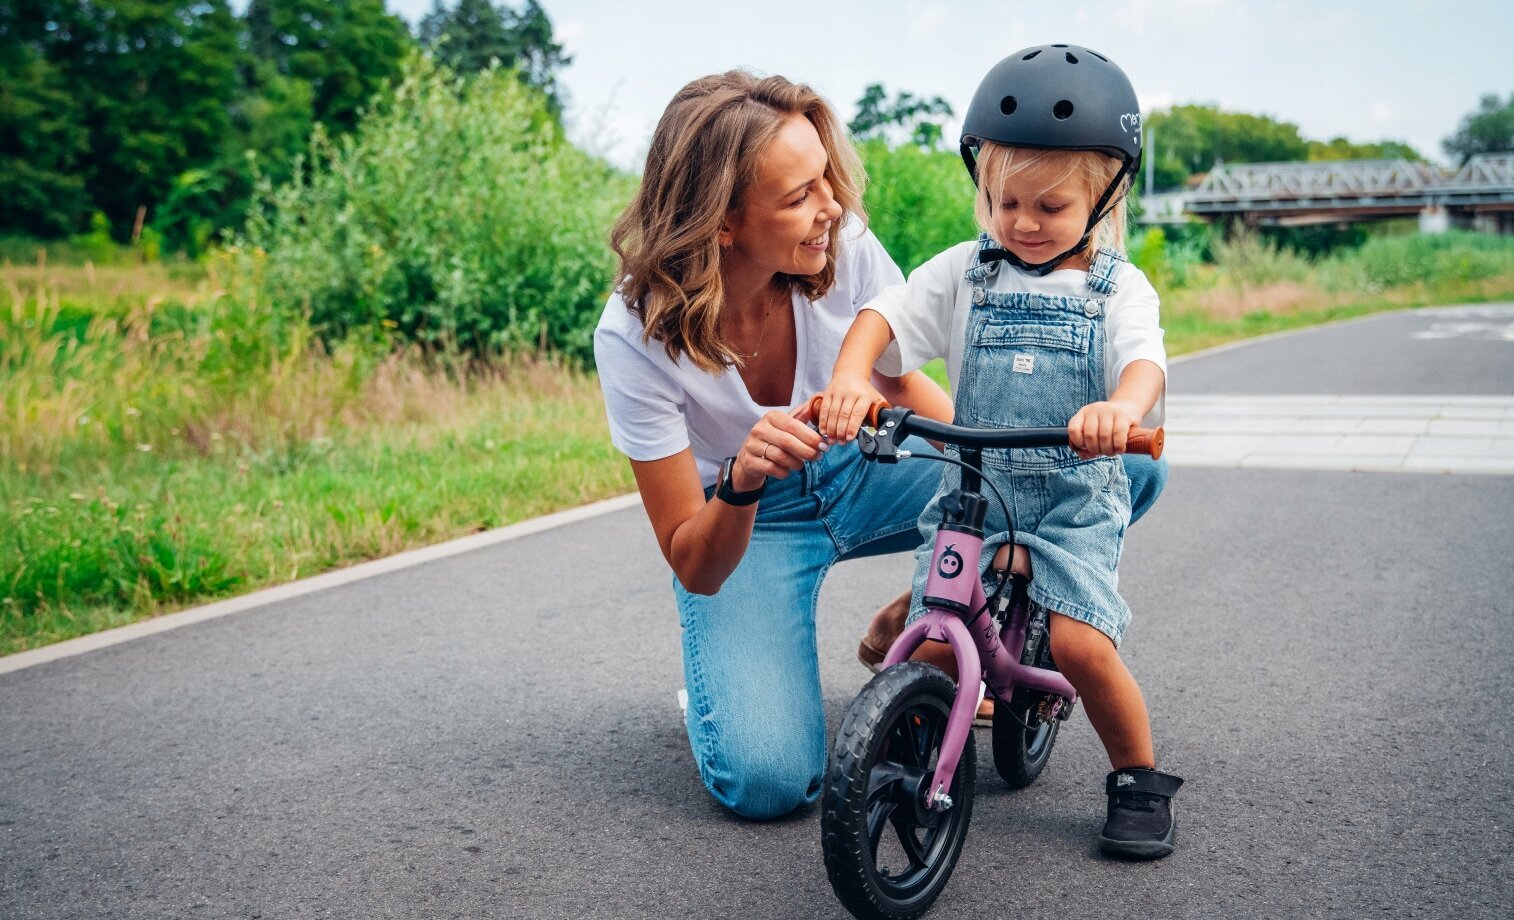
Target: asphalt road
point(1326, 655)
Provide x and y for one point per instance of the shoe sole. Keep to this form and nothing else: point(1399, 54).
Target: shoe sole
point(1139, 849)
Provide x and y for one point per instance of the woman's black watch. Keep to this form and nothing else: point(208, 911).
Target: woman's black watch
point(730, 496)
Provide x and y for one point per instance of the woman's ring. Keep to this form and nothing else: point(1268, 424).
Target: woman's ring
point(765, 447)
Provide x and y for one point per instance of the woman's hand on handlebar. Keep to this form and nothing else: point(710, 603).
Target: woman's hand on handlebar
point(777, 444)
point(844, 406)
point(1099, 429)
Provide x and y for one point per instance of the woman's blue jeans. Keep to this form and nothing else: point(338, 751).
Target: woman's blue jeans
point(755, 719)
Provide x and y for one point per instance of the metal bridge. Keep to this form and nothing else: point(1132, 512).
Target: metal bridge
point(1479, 195)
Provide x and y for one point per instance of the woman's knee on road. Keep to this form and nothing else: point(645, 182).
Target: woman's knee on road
point(763, 781)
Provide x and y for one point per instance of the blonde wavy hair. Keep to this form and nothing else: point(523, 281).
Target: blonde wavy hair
point(702, 161)
point(998, 162)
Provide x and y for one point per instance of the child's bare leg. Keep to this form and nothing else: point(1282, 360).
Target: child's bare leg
point(1109, 693)
point(1022, 560)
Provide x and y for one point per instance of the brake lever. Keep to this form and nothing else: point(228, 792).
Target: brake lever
point(879, 446)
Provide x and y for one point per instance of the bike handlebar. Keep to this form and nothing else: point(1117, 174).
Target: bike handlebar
point(898, 423)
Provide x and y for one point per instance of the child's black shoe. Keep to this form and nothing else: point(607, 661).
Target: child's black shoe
point(1140, 823)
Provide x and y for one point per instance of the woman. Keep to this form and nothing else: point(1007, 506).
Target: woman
point(743, 259)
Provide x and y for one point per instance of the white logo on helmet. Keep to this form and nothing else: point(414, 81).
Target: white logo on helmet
point(1131, 124)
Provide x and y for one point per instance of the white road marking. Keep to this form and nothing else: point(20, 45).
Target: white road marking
point(1423, 434)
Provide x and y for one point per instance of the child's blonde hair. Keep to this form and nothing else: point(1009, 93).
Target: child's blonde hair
point(998, 162)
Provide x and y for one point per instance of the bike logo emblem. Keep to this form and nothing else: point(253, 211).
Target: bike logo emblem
point(950, 563)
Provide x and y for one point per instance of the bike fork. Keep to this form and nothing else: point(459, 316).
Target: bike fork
point(946, 627)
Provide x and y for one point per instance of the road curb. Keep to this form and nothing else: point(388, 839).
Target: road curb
point(1285, 333)
point(311, 585)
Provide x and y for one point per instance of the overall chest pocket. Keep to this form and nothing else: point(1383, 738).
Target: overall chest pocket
point(1027, 374)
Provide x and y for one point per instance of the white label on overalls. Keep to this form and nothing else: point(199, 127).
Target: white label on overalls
point(1024, 364)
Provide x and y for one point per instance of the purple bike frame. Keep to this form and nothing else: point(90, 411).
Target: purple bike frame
point(979, 651)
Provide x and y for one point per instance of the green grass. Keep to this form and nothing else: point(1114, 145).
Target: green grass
point(100, 544)
point(179, 449)
point(1189, 328)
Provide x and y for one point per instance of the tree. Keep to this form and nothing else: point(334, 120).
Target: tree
point(270, 125)
point(302, 61)
point(1189, 139)
point(1490, 129)
point(347, 50)
point(43, 140)
point(1338, 148)
point(146, 81)
point(467, 37)
point(879, 119)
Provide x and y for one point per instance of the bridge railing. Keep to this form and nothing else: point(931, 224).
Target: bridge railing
point(1487, 170)
point(1335, 179)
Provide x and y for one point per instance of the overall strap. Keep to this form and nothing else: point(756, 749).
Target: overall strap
point(1106, 264)
point(985, 260)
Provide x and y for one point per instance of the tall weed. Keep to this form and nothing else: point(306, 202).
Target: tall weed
point(1245, 258)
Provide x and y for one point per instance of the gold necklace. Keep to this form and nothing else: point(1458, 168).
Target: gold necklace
point(762, 334)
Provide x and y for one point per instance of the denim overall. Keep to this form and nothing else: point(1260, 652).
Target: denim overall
point(1034, 360)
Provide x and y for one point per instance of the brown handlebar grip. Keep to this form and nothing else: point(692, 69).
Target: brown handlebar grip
point(872, 411)
point(1146, 441)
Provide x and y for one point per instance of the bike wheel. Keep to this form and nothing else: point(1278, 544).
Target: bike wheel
point(1022, 738)
point(873, 816)
point(1024, 728)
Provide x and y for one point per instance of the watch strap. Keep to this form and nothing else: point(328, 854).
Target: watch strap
point(729, 495)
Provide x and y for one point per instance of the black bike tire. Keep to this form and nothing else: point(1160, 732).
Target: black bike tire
point(1017, 765)
point(849, 858)
point(1012, 741)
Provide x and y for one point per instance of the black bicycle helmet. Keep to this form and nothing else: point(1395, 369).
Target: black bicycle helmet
point(1057, 97)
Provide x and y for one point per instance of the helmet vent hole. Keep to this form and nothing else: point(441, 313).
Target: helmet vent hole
point(1099, 56)
point(1063, 110)
point(1059, 46)
point(1071, 59)
point(1007, 105)
point(1031, 55)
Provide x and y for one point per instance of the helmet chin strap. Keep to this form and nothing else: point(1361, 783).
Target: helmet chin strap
point(1100, 211)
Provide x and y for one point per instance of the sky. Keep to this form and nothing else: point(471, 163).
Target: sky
point(1370, 70)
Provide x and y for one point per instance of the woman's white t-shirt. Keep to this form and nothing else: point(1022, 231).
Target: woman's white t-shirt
point(658, 405)
point(928, 316)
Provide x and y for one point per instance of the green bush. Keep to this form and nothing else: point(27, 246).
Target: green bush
point(1170, 255)
point(1148, 252)
point(1392, 261)
point(456, 215)
point(919, 202)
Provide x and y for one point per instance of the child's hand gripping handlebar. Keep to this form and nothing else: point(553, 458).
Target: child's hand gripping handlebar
point(892, 425)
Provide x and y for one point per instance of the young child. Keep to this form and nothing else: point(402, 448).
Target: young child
point(1044, 323)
